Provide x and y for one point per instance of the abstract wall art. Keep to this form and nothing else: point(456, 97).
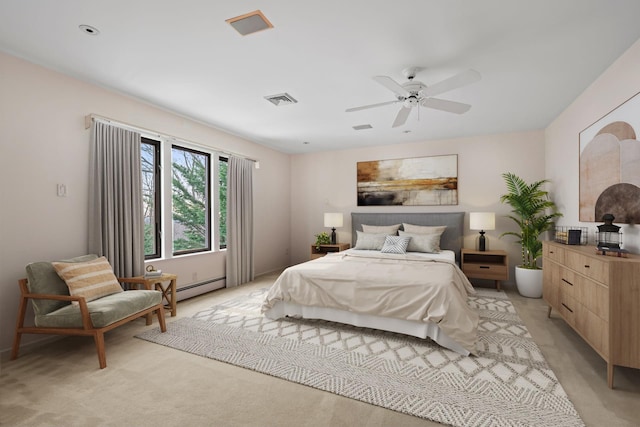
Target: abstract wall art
point(421, 181)
point(610, 166)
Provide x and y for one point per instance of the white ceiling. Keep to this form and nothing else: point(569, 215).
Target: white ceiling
point(535, 58)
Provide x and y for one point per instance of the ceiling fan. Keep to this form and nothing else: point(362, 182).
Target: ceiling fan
point(414, 93)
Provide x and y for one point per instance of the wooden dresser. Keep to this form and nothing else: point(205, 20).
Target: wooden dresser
point(599, 296)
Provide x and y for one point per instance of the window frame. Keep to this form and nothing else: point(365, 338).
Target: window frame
point(208, 223)
point(157, 197)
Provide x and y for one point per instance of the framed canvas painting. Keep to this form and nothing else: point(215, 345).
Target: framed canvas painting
point(421, 181)
point(610, 166)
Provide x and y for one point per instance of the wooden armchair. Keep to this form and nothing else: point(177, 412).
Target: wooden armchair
point(56, 314)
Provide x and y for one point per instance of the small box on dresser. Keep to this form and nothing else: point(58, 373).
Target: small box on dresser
point(599, 297)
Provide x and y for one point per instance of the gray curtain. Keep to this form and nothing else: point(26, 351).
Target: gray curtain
point(239, 221)
point(116, 227)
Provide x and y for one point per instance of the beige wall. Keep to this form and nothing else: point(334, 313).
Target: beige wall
point(617, 84)
point(43, 142)
point(326, 182)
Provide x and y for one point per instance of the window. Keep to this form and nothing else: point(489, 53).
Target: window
point(191, 216)
point(223, 163)
point(195, 186)
point(150, 159)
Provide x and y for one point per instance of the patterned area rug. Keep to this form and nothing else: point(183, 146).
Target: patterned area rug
point(508, 384)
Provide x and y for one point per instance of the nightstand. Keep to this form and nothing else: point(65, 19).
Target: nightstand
point(490, 265)
point(324, 249)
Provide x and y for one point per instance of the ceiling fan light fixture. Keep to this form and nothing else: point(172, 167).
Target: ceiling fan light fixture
point(250, 23)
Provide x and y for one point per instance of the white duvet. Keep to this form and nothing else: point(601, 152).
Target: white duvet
point(409, 287)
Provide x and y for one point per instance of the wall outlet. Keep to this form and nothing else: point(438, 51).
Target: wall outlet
point(62, 190)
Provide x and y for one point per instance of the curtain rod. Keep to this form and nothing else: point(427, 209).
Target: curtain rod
point(90, 117)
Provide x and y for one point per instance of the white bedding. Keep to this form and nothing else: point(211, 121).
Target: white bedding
point(417, 294)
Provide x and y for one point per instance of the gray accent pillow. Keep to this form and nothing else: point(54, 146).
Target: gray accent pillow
point(429, 243)
point(370, 241)
point(390, 230)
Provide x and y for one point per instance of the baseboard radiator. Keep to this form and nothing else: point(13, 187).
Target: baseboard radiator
point(199, 288)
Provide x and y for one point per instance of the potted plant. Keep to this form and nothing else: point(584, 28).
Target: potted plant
point(322, 239)
point(533, 212)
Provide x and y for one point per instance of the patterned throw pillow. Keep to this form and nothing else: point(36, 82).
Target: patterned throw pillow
point(369, 241)
point(91, 279)
point(429, 243)
point(396, 244)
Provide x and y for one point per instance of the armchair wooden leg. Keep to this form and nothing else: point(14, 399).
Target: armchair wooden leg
point(163, 326)
point(22, 309)
point(102, 356)
point(16, 345)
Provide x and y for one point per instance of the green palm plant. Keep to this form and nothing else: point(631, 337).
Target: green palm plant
point(530, 205)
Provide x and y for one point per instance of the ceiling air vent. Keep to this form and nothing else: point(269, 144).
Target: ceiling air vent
point(281, 99)
point(361, 127)
point(250, 23)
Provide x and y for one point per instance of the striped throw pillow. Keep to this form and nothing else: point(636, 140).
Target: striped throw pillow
point(91, 279)
point(395, 244)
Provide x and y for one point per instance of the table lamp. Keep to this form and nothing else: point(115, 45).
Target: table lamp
point(333, 220)
point(482, 221)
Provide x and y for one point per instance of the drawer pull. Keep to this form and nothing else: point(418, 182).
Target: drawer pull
point(551, 252)
point(567, 282)
point(586, 266)
point(565, 306)
point(484, 266)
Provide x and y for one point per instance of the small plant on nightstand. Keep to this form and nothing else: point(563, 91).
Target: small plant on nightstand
point(322, 239)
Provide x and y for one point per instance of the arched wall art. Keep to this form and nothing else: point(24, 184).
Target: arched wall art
point(610, 166)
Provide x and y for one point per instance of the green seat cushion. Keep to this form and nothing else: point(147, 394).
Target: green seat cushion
point(43, 279)
point(103, 311)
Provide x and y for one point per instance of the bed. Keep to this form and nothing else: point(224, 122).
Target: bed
point(413, 293)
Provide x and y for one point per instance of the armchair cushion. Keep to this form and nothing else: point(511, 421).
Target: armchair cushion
point(90, 279)
point(43, 279)
point(103, 311)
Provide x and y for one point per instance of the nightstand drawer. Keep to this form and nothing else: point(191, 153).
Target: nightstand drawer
point(486, 271)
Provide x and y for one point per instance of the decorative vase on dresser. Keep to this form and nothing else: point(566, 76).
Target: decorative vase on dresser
point(599, 297)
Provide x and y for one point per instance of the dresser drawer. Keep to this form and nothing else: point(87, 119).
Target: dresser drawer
point(486, 271)
point(593, 329)
point(554, 253)
point(594, 268)
point(568, 309)
point(594, 296)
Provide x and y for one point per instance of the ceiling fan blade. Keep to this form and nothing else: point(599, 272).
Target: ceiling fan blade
point(402, 116)
point(459, 80)
point(364, 107)
point(444, 105)
point(392, 85)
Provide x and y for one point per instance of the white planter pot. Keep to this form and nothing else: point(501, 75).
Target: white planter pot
point(529, 282)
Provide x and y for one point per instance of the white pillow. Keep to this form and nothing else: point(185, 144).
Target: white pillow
point(391, 230)
point(395, 244)
point(424, 229)
point(429, 243)
point(370, 241)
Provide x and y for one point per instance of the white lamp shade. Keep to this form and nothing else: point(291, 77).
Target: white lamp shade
point(333, 220)
point(482, 221)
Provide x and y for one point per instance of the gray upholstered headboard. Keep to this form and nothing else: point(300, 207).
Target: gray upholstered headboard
point(451, 238)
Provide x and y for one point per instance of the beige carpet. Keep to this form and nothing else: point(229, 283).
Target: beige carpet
point(509, 383)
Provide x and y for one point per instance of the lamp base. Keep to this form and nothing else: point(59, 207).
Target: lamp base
point(333, 236)
point(482, 242)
